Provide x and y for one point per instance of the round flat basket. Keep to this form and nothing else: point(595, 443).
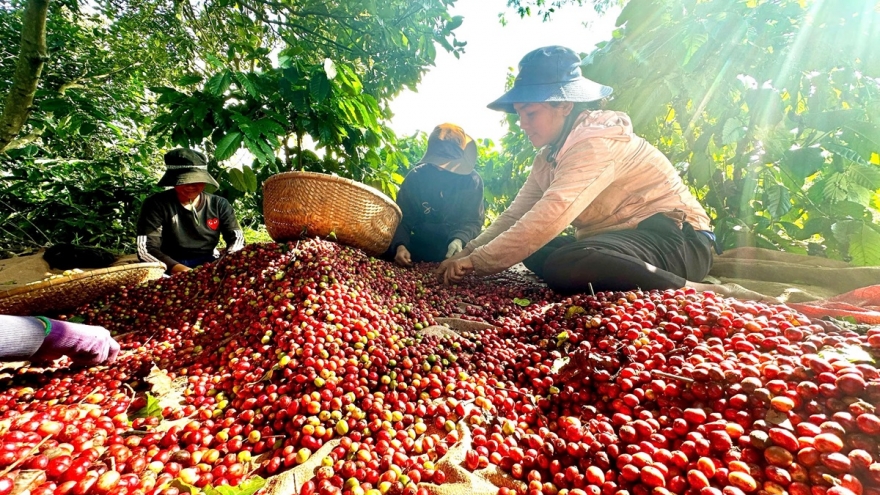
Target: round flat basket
point(68, 292)
point(305, 204)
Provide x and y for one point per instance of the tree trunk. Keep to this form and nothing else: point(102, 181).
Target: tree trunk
point(31, 58)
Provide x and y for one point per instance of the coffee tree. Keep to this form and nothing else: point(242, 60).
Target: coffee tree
point(126, 79)
point(769, 109)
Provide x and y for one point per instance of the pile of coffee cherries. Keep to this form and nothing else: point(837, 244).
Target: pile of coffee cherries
point(314, 358)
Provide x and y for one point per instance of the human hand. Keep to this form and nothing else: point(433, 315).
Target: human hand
point(180, 267)
point(83, 344)
point(451, 271)
point(402, 257)
point(454, 248)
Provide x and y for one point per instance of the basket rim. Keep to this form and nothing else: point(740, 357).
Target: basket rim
point(24, 289)
point(335, 178)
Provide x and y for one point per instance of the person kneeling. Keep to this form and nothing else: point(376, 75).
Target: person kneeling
point(181, 227)
point(441, 200)
point(637, 225)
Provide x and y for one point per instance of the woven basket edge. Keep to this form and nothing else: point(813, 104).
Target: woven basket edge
point(335, 178)
point(77, 276)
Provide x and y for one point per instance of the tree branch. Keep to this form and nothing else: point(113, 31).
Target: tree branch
point(79, 82)
point(31, 59)
point(263, 17)
point(25, 140)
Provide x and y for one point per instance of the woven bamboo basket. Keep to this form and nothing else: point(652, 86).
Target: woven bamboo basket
point(306, 204)
point(68, 292)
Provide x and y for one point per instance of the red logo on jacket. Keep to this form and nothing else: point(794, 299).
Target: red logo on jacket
point(213, 223)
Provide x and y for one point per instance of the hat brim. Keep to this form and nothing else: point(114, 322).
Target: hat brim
point(461, 166)
point(579, 91)
point(187, 176)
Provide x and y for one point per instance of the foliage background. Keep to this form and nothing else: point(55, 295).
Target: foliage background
point(768, 109)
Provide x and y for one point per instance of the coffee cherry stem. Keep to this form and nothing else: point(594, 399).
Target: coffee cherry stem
point(673, 377)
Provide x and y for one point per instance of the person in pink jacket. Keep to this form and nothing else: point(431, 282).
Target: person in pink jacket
point(636, 223)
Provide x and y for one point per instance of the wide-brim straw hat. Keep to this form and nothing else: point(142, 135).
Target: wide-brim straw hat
point(185, 166)
point(551, 73)
point(450, 149)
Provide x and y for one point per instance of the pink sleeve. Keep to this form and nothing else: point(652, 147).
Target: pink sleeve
point(525, 199)
point(581, 174)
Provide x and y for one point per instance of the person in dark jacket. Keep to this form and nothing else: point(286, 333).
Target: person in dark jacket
point(181, 227)
point(441, 200)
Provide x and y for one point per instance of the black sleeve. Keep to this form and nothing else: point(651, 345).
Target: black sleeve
point(471, 213)
point(149, 234)
point(232, 233)
point(406, 200)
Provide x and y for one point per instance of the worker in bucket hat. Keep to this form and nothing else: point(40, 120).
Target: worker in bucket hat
point(636, 223)
point(181, 227)
point(441, 200)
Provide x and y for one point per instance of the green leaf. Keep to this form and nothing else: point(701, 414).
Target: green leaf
point(248, 487)
point(700, 169)
point(219, 83)
point(692, 43)
point(250, 179)
point(351, 80)
point(87, 128)
point(864, 175)
point(777, 200)
point(867, 130)
point(269, 127)
point(292, 75)
point(184, 487)
point(319, 87)
point(830, 121)
point(636, 13)
point(851, 353)
point(260, 149)
point(574, 310)
point(733, 131)
point(228, 146)
point(767, 109)
point(864, 246)
point(836, 187)
point(247, 84)
point(151, 410)
point(300, 100)
point(236, 178)
point(802, 163)
point(561, 338)
point(189, 79)
point(59, 106)
point(858, 194)
point(847, 153)
point(847, 209)
point(521, 302)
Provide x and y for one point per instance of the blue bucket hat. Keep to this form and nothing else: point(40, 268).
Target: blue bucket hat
point(551, 73)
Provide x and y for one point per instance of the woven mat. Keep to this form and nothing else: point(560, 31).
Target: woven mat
point(814, 286)
point(22, 270)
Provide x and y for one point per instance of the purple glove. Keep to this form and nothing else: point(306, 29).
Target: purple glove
point(83, 344)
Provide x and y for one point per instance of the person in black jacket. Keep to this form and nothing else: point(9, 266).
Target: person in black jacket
point(441, 200)
point(181, 227)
